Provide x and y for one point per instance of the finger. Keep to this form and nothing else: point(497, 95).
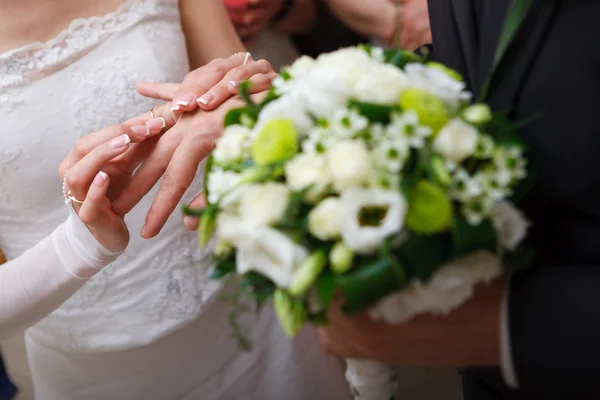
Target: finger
point(89, 213)
point(220, 92)
point(160, 91)
point(198, 203)
point(178, 177)
point(79, 177)
point(258, 83)
point(198, 82)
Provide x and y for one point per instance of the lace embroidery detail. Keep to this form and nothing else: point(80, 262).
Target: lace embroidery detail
point(6, 157)
point(28, 63)
point(10, 99)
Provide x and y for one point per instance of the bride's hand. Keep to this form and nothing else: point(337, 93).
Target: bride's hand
point(209, 86)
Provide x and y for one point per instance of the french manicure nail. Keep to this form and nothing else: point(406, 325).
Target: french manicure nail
point(233, 83)
point(100, 178)
point(140, 130)
point(175, 108)
point(184, 100)
point(120, 141)
point(156, 123)
point(207, 98)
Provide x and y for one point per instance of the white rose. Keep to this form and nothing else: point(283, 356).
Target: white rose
point(230, 146)
point(456, 141)
point(262, 249)
point(301, 66)
point(264, 204)
point(449, 287)
point(382, 85)
point(321, 92)
point(284, 108)
point(350, 63)
point(365, 239)
point(223, 187)
point(349, 164)
point(324, 219)
point(510, 224)
point(437, 82)
point(307, 169)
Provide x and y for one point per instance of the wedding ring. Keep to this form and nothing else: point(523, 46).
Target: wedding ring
point(67, 193)
point(152, 114)
point(246, 58)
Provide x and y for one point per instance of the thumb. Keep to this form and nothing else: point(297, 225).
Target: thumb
point(161, 91)
point(199, 202)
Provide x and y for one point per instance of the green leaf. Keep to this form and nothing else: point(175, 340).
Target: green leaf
point(245, 95)
point(261, 287)
point(223, 268)
point(236, 167)
point(271, 95)
point(294, 210)
point(373, 112)
point(400, 58)
point(319, 318)
point(421, 255)
point(234, 116)
point(193, 212)
point(326, 288)
point(207, 170)
point(367, 284)
point(467, 238)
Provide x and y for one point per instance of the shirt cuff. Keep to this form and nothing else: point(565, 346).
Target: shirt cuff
point(507, 366)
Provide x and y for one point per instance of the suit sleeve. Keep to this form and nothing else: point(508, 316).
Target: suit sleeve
point(554, 324)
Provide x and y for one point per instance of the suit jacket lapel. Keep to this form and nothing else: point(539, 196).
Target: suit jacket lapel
point(463, 14)
point(520, 55)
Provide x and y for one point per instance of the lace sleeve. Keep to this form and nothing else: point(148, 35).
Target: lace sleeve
point(45, 276)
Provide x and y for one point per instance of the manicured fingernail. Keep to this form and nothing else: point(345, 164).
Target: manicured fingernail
point(141, 130)
point(120, 141)
point(100, 178)
point(156, 123)
point(175, 108)
point(233, 83)
point(207, 98)
point(184, 100)
point(190, 222)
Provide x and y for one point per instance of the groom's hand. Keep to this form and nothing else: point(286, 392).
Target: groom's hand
point(467, 337)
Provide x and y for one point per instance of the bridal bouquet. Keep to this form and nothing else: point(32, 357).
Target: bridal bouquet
point(367, 177)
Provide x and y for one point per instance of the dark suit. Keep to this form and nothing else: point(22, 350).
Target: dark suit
point(554, 308)
point(7, 389)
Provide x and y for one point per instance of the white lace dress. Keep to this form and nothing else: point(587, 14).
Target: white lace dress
point(148, 326)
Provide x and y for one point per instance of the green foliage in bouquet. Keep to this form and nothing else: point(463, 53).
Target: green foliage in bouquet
point(361, 174)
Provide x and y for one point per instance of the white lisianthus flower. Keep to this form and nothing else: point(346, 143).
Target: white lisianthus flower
point(364, 237)
point(284, 108)
point(307, 169)
point(406, 126)
point(262, 249)
point(449, 287)
point(324, 220)
point(232, 145)
point(456, 141)
point(382, 85)
point(349, 164)
point(223, 187)
point(510, 224)
point(437, 82)
point(264, 204)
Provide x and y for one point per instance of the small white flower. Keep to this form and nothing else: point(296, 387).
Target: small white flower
point(456, 141)
point(261, 249)
point(477, 209)
point(490, 182)
point(485, 147)
point(285, 108)
point(223, 187)
point(264, 204)
point(308, 169)
point(232, 145)
point(464, 187)
point(349, 164)
point(365, 237)
point(438, 83)
point(392, 155)
point(382, 85)
point(324, 220)
point(510, 224)
point(449, 287)
point(511, 160)
point(347, 123)
point(406, 127)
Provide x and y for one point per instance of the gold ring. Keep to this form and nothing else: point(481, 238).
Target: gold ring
point(152, 114)
point(67, 193)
